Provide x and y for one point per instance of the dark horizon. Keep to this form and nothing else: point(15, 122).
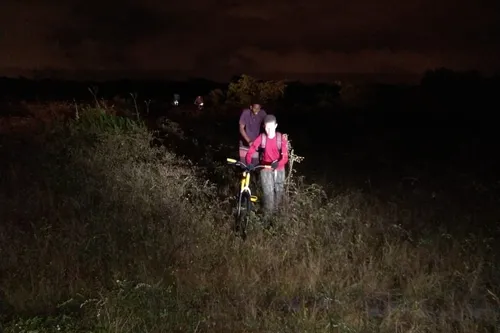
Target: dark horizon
point(182, 76)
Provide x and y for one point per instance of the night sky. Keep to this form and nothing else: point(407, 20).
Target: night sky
point(209, 38)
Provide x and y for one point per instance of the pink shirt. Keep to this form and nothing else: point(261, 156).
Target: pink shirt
point(271, 152)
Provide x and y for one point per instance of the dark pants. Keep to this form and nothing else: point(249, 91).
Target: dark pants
point(273, 188)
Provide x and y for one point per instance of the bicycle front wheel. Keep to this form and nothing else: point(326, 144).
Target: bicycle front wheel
point(243, 214)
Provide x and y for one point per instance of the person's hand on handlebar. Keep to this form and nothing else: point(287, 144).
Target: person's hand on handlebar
point(251, 166)
point(274, 165)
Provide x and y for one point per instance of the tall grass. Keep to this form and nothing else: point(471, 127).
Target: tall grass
point(100, 231)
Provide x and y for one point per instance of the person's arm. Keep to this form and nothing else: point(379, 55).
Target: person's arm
point(253, 148)
point(244, 133)
point(242, 122)
point(284, 151)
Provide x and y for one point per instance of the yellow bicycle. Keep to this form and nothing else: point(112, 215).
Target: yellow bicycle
point(245, 197)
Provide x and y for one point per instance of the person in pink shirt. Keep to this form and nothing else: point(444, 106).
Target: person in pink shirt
point(273, 148)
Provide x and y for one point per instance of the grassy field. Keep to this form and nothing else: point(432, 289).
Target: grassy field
point(103, 232)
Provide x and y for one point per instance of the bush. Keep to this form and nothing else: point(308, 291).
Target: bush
point(217, 97)
point(247, 88)
point(358, 95)
point(101, 232)
point(99, 205)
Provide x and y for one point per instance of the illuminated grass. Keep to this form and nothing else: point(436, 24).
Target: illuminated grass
point(101, 232)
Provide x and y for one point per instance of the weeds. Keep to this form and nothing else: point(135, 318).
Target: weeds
point(103, 232)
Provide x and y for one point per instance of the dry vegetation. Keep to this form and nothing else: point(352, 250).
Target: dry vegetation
point(100, 232)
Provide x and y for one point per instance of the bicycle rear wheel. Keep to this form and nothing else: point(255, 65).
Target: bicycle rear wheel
point(243, 214)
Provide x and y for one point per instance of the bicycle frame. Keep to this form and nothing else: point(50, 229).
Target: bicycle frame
point(245, 200)
point(245, 179)
point(245, 185)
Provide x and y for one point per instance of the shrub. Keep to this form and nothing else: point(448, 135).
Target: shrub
point(101, 232)
point(100, 204)
point(358, 95)
point(217, 97)
point(247, 88)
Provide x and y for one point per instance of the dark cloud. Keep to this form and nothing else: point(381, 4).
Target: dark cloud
point(213, 37)
point(360, 25)
point(109, 28)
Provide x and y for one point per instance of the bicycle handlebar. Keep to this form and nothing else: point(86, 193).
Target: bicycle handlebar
point(247, 167)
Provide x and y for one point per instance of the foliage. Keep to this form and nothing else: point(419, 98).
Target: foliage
point(357, 95)
point(217, 97)
point(325, 100)
point(445, 77)
point(101, 232)
point(247, 88)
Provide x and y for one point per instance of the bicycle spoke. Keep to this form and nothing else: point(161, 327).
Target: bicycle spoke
point(243, 214)
point(244, 205)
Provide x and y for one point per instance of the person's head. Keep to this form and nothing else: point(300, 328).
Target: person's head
point(255, 107)
point(270, 125)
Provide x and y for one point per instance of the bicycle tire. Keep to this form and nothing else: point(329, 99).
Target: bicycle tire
point(244, 208)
